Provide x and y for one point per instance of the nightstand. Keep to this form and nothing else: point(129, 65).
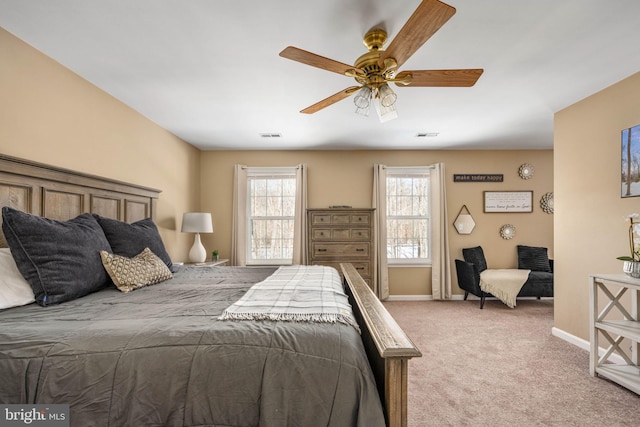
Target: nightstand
point(218, 263)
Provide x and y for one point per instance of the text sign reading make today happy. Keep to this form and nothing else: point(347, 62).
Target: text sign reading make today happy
point(478, 177)
point(508, 201)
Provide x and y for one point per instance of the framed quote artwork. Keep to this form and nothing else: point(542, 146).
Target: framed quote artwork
point(508, 201)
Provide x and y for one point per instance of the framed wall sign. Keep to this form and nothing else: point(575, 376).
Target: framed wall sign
point(478, 177)
point(508, 201)
point(630, 169)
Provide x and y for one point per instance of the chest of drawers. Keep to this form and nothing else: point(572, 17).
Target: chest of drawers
point(342, 235)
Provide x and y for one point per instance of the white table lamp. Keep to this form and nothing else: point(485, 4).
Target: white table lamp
point(197, 222)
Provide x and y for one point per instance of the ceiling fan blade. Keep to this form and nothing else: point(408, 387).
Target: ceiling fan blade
point(330, 100)
point(425, 21)
point(441, 78)
point(299, 55)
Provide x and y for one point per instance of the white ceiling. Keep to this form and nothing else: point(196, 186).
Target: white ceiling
point(209, 71)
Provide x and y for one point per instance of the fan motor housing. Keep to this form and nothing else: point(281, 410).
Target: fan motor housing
point(375, 39)
point(368, 62)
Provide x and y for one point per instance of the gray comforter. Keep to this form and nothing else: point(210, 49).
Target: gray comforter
point(158, 356)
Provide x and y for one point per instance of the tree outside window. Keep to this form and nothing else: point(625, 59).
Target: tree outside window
point(408, 217)
point(271, 205)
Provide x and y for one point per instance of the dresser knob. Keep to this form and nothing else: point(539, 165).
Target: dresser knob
point(359, 250)
point(322, 250)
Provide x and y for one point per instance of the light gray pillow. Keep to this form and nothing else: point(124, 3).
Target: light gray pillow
point(14, 290)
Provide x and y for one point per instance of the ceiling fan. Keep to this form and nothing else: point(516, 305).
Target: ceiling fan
point(377, 68)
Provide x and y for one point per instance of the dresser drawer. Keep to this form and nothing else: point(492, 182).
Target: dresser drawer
point(331, 234)
point(362, 267)
point(338, 219)
point(321, 234)
point(360, 234)
point(318, 218)
point(343, 250)
point(337, 234)
point(364, 218)
point(330, 219)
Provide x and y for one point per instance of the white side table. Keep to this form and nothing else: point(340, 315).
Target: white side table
point(614, 329)
point(218, 263)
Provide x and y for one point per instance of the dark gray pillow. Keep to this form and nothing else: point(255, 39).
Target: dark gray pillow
point(475, 256)
point(130, 239)
point(533, 258)
point(60, 259)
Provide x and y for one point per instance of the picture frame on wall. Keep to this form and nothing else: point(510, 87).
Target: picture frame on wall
point(630, 162)
point(508, 201)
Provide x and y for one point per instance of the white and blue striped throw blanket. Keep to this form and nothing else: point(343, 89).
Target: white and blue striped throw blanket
point(298, 293)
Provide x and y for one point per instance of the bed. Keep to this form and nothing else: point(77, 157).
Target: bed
point(160, 355)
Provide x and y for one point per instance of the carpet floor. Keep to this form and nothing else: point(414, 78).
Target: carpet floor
point(502, 367)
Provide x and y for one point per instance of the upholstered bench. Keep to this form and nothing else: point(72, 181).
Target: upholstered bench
point(539, 283)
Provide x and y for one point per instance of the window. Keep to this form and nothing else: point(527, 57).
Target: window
point(408, 222)
point(271, 212)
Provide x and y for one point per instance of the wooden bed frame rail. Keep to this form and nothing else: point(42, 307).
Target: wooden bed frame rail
point(388, 347)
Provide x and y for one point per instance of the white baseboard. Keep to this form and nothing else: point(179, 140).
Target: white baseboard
point(583, 344)
point(419, 297)
point(571, 339)
point(409, 298)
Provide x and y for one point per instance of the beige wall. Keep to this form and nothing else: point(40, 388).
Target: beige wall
point(50, 115)
point(590, 231)
point(346, 178)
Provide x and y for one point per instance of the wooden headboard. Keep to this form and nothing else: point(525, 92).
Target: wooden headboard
point(63, 194)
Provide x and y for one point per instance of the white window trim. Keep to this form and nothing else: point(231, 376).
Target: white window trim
point(263, 172)
point(413, 262)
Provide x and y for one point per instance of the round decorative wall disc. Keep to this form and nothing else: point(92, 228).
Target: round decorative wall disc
point(507, 231)
point(546, 203)
point(525, 171)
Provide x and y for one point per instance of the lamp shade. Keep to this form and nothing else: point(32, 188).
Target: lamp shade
point(197, 222)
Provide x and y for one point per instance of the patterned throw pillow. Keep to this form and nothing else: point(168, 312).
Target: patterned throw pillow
point(128, 274)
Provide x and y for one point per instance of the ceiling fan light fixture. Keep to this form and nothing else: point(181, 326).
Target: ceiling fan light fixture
point(363, 111)
point(363, 98)
point(387, 96)
point(386, 113)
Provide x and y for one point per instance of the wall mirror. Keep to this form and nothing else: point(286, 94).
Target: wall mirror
point(464, 222)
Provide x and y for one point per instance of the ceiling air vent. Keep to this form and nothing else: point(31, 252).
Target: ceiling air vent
point(270, 135)
point(427, 134)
